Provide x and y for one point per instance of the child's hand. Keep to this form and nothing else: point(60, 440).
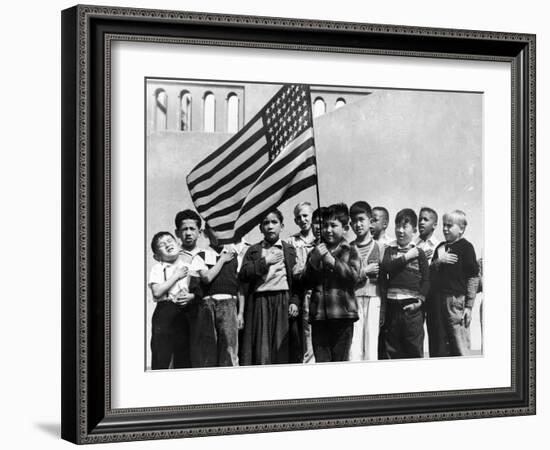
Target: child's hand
point(227, 256)
point(183, 298)
point(292, 310)
point(467, 317)
point(329, 260)
point(273, 257)
point(412, 307)
point(240, 321)
point(372, 269)
point(315, 258)
point(322, 249)
point(448, 258)
point(428, 252)
point(181, 271)
point(411, 254)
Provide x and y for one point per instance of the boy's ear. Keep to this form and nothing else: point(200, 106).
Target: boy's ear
point(155, 257)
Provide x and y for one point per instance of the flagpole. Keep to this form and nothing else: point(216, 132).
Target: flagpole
point(316, 164)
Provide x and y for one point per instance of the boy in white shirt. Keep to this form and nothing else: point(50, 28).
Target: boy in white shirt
point(173, 288)
point(378, 225)
point(427, 223)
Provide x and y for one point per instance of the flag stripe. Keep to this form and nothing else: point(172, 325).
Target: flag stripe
point(229, 180)
point(226, 199)
point(294, 150)
point(230, 158)
point(204, 166)
point(276, 177)
point(270, 190)
point(223, 213)
point(238, 192)
point(293, 190)
point(239, 232)
point(302, 180)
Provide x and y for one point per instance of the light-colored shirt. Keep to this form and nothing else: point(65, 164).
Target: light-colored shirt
point(429, 244)
point(162, 271)
point(303, 247)
point(275, 279)
point(384, 241)
point(189, 257)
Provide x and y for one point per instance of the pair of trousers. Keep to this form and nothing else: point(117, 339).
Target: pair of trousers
point(217, 333)
point(447, 335)
point(171, 335)
point(308, 356)
point(364, 345)
point(331, 339)
point(403, 331)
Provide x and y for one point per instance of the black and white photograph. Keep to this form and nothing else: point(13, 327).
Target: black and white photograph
point(307, 224)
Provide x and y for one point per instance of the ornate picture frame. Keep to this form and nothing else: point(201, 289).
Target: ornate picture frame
point(88, 34)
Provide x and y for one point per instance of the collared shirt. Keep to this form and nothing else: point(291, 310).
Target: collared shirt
point(275, 279)
point(384, 241)
point(303, 248)
point(161, 271)
point(190, 257)
point(429, 244)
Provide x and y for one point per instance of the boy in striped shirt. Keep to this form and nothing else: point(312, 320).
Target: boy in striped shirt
point(364, 345)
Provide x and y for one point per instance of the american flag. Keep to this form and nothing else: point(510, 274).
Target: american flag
point(269, 161)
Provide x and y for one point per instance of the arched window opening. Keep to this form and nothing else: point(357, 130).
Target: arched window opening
point(232, 113)
point(339, 103)
point(319, 107)
point(209, 112)
point(185, 111)
point(161, 108)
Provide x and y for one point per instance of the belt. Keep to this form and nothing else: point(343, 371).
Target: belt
point(220, 297)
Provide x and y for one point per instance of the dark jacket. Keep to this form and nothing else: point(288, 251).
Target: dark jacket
point(254, 268)
point(332, 288)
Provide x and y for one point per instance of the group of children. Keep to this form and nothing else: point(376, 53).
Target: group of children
point(314, 297)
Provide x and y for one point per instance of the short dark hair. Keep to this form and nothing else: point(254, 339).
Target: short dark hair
point(157, 237)
point(187, 214)
point(318, 213)
point(360, 207)
point(429, 210)
point(275, 211)
point(384, 211)
point(406, 215)
point(339, 212)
